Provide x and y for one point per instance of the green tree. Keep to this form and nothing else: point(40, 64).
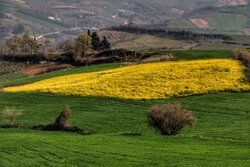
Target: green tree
point(13, 44)
point(95, 41)
point(82, 44)
point(105, 44)
point(28, 44)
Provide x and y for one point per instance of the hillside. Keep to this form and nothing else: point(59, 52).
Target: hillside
point(120, 135)
point(68, 18)
point(149, 81)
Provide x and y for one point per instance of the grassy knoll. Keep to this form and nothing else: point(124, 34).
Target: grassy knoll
point(220, 137)
point(85, 69)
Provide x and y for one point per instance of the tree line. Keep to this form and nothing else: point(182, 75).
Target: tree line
point(22, 45)
point(175, 34)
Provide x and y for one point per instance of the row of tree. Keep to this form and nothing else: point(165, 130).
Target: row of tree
point(28, 45)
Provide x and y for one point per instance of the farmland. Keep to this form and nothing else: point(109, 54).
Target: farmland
point(147, 81)
point(220, 136)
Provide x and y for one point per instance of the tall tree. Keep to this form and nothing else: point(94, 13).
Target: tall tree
point(13, 44)
point(95, 41)
point(105, 44)
point(28, 44)
point(82, 44)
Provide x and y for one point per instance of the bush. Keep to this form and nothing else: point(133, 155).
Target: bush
point(244, 57)
point(62, 124)
point(170, 118)
point(62, 120)
point(10, 114)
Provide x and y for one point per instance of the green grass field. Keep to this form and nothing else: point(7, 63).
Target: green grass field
point(220, 137)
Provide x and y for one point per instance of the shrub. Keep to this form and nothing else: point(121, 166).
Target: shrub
point(244, 57)
point(62, 124)
point(170, 118)
point(10, 114)
point(62, 120)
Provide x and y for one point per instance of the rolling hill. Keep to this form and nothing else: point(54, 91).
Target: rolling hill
point(68, 18)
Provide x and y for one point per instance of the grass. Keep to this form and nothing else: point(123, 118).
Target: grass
point(149, 42)
point(220, 137)
point(85, 69)
point(182, 23)
point(195, 54)
point(226, 22)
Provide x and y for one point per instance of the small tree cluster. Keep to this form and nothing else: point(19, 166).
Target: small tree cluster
point(24, 44)
point(170, 118)
point(75, 48)
point(97, 44)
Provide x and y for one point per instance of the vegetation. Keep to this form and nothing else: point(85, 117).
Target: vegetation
point(82, 44)
point(19, 78)
point(22, 45)
point(10, 114)
point(244, 56)
point(97, 44)
point(174, 34)
point(170, 118)
point(62, 121)
point(220, 137)
point(147, 81)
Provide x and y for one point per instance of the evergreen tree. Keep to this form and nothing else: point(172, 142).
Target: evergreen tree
point(95, 41)
point(105, 44)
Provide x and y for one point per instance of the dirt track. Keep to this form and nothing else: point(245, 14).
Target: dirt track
point(45, 68)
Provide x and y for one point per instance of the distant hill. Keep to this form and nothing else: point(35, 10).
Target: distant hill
point(66, 18)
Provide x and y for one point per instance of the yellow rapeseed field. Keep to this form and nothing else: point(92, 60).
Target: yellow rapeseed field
point(147, 81)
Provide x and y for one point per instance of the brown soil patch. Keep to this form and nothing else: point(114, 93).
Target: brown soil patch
point(45, 68)
point(158, 58)
point(200, 23)
point(246, 31)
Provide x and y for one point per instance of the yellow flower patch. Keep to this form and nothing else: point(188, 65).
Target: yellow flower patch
point(149, 81)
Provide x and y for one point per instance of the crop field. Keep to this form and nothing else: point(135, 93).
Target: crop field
point(149, 81)
point(121, 135)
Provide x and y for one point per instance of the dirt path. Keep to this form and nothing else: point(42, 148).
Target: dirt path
point(45, 68)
